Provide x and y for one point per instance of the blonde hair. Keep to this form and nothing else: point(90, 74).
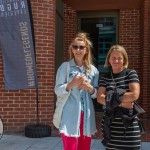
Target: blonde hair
point(120, 49)
point(87, 60)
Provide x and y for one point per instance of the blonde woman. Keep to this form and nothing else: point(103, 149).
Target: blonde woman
point(124, 133)
point(78, 118)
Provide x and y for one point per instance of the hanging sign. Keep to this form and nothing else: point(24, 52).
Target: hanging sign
point(17, 44)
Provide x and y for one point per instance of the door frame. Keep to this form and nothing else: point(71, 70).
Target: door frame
point(98, 14)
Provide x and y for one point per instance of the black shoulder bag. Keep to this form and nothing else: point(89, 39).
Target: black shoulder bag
point(136, 110)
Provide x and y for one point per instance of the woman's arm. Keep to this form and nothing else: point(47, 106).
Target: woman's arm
point(101, 95)
point(134, 93)
point(61, 80)
point(130, 97)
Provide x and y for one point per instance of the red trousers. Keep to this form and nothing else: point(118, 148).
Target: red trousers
point(80, 143)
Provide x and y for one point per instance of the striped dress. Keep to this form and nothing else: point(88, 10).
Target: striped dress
point(121, 138)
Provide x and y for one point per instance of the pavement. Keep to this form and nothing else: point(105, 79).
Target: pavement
point(20, 142)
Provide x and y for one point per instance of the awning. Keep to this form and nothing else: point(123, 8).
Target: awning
point(83, 5)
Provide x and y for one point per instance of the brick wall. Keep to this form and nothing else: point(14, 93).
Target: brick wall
point(129, 35)
point(145, 67)
point(149, 50)
point(44, 21)
point(18, 107)
point(145, 57)
point(70, 28)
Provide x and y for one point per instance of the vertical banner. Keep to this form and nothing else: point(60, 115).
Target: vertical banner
point(17, 44)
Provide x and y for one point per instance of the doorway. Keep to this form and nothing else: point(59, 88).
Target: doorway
point(102, 28)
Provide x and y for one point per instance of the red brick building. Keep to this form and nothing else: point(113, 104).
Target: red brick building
point(56, 22)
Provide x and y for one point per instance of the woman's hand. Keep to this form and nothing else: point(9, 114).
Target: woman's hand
point(77, 80)
point(85, 85)
point(81, 82)
point(128, 105)
point(101, 94)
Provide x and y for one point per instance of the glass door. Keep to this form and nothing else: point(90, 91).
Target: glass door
point(102, 31)
point(106, 38)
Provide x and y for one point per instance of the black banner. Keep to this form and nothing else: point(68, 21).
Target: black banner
point(17, 44)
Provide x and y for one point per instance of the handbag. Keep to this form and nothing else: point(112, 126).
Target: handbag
point(141, 126)
point(61, 100)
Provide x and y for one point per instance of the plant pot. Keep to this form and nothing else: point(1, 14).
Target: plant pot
point(37, 131)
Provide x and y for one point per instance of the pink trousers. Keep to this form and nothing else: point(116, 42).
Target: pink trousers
point(80, 143)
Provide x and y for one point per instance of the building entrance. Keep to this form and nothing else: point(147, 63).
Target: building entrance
point(103, 34)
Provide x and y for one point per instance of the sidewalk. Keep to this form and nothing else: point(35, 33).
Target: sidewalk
point(19, 142)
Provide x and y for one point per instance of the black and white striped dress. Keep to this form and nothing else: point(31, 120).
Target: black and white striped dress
point(121, 139)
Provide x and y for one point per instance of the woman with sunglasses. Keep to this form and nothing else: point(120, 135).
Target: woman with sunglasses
point(78, 118)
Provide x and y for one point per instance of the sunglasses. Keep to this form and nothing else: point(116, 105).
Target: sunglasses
point(76, 47)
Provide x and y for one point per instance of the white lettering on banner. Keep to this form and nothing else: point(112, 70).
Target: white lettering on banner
point(1, 7)
point(28, 56)
point(12, 8)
